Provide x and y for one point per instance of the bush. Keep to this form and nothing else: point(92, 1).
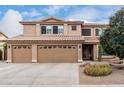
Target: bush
point(97, 70)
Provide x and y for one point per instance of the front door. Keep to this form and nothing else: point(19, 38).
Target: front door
point(87, 52)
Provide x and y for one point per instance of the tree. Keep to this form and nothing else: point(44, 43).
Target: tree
point(112, 40)
point(100, 53)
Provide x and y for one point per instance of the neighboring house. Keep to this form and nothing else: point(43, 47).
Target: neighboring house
point(53, 40)
point(3, 52)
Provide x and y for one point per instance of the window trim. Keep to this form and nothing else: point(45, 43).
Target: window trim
point(90, 32)
point(41, 29)
point(73, 29)
point(47, 29)
point(52, 30)
point(100, 29)
point(62, 32)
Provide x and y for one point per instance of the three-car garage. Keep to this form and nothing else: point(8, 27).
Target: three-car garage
point(45, 53)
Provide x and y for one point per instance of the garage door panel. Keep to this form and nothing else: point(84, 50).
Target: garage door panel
point(22, 54)
point(57, 55)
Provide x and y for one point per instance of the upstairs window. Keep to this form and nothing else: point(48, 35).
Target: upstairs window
point(98, 32)
point(86, 32)
point(43, 29)
point(52, 29)
point(60, 30)
point(55, 29)
point(74, 27)
point(48, 29)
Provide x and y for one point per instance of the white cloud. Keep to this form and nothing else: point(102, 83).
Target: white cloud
point(86, 14)
point(10, 23)
point(99, 14)
point(54, 9)
point(32, 13)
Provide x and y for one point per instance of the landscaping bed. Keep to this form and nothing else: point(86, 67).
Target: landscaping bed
point(97, 69)
point(116, 77)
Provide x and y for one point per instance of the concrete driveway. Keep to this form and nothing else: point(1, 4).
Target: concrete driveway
point(35, 74)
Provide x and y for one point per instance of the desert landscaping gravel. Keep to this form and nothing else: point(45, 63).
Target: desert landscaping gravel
point(115, 78)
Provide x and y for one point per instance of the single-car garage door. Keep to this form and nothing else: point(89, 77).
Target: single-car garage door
point(57, 54)
point(21, 54)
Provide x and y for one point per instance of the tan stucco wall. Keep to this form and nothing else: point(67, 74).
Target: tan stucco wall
point(80, 53)
point(9, 53)
point(34, 53)
point(74, 32)
point(29, 30)
point(38, 29)
point(95, 52)
point(66, 29)
point(35, 30)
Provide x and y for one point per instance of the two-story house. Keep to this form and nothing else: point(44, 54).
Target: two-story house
point(53, 40)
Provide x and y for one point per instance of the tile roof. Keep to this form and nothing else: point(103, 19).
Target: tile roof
point(46, 21)
point(48, 37)
point(95, 24)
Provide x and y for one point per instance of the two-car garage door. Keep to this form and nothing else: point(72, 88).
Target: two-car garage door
point(57, 54)
point(45, 53)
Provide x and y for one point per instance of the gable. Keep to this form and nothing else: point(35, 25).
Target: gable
point(52, 20)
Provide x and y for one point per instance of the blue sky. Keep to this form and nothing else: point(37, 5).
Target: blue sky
point(88, 13)
point(33, 12)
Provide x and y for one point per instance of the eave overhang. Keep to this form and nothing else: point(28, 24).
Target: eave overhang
point(48, 23)
point(46, 39)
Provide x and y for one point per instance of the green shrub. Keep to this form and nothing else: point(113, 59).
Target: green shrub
point(97, 70)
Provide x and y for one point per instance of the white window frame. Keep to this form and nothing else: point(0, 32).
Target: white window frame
point(61, 28)
point(72, 26)
point(90, 31)
point(48, 28)
point(52, 29)
point(100, 31)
